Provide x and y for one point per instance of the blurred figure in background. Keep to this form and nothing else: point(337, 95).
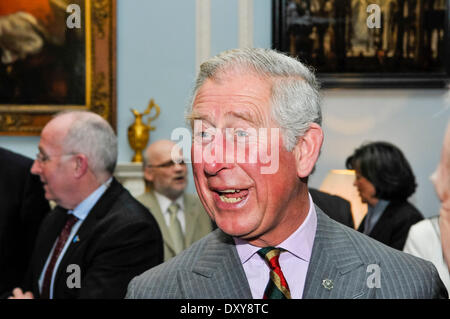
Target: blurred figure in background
point(180, 216)
point(334, 206)
point(98, 237)
point(430, 238)
point(23, 206)
point(385, 180)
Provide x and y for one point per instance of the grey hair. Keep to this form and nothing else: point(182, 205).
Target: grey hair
point(295, 90)
point(92, 136)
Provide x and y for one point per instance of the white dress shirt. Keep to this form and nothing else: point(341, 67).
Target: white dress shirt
point(164, 204)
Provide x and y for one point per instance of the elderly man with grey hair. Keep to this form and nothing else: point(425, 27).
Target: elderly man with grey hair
point(272, 241)
point(98, 237)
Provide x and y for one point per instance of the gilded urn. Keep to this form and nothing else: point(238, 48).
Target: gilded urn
point(139, 132)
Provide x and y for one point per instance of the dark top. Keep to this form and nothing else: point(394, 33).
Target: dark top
point(393, 226)
point(23, 206)
point(118, 240)
point(334, 206)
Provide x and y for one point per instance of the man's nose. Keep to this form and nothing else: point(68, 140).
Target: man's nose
point(36, 168)
point(179, 167)
point(214, 156)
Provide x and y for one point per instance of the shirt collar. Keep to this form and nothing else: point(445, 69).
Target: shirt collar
point(381, 206)
point(83, 208)
point(299, 243)
point(374, 214)
point(164, 202)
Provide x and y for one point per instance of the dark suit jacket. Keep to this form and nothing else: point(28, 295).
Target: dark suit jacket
point(23, 206)
point(334, 206)
point(393, 226)
point(119, 239)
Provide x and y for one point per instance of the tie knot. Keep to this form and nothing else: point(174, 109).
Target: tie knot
point(277, 288)
point(173, 208)
point(71, 220)
point(271, 255)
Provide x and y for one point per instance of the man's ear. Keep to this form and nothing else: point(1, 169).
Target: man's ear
point(81, 165)
point(148, 174)
point(307, 150)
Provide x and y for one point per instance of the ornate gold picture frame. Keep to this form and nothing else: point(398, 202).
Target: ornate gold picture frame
point(61, 65)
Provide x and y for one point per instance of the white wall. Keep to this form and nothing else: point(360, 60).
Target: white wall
point(156, 56)
point(414, 120)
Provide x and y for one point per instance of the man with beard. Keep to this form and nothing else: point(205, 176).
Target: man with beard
point(180, 216)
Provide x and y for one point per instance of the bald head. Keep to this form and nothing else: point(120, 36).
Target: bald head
point(58, 127)
point(161, 171)
point(77, 153)
point(90, 134)
point(160, 149)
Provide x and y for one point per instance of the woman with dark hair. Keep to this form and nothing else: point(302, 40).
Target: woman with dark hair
point(385, 180)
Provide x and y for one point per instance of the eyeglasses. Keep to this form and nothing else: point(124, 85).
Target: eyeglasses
point(44, 158)
point(168, 164)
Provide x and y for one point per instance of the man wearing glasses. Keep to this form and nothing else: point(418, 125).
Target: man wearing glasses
point(180, 216)
point(98, 236)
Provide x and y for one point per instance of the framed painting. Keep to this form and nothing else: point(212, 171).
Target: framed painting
point(55, 55)
point(367, 43)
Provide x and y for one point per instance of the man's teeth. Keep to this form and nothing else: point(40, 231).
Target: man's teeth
point(231, 199)
point(230, 191)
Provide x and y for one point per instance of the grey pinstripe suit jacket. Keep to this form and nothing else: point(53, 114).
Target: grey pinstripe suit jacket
point(211, 268)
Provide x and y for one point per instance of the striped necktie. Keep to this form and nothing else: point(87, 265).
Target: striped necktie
point(277, 287)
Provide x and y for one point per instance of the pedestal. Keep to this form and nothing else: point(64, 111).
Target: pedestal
point(131, 176)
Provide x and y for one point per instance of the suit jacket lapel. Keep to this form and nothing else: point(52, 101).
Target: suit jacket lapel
point(191, 216)
point(335, 269)
point(50, 236)
point(97, 212)
point(219, 269)
point(152, 203)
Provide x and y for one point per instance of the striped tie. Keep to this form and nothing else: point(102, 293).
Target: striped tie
point(277, 287)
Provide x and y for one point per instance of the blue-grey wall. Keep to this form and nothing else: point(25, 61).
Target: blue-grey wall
point(156, 59)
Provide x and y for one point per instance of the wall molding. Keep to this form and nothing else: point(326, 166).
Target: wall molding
point(245, 12)
point(203, 31)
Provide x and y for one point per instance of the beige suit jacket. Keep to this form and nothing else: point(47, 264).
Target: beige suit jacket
point(198, 223)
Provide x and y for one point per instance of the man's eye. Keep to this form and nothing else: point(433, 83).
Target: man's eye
point(205, 135)
point(241, 133)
